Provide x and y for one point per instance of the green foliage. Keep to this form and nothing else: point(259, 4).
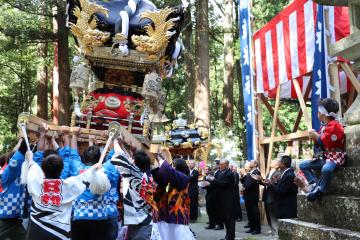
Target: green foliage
point(18, 65)
point(265, 10)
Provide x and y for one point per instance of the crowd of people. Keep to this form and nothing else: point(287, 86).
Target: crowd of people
point(281, 184)
point(224, 185)
point(53, 190)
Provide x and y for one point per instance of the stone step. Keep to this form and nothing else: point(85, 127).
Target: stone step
point(330, 210)
point(345, 182)
point(353, 145)
point(293, 229)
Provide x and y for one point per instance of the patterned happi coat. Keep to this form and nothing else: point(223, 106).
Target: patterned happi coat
point(172, 194)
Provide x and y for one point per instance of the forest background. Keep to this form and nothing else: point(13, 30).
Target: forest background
point(36, 52)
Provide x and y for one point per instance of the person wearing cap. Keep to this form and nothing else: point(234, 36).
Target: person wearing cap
point(330, 141)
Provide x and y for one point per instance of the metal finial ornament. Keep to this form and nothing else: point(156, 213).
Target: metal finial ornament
point(114, 129)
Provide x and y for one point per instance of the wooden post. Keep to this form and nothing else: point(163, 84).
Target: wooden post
point(271, 111)
point(302, 104)
point(260, 128)
point(351, 76)
point(277, 104)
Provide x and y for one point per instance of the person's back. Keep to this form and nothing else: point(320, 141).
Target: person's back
point(12, 196)
point(90, 209)
point(52, 198)
point(138, 188)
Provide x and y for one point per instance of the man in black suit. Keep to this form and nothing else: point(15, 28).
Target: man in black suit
point(285, 190)
point(210, 198)
point(269, 196)
point(225, 185)
point(193, 191)
point(251, 196)
point(219, 221)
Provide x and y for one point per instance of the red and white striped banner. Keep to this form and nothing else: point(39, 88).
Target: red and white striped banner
point(284, 48)
point(288, 90)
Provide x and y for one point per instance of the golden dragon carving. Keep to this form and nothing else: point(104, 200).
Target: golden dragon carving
point(85, 28)
point(158, 36)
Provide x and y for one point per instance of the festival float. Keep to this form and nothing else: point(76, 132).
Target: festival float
point(126, 49)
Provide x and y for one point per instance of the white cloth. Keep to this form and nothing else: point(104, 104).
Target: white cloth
point(52, 200)
point(171, 231)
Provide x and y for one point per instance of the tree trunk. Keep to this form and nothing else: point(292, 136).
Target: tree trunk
point(42, 74)
point(61, 72)
point(202, 84)
point(55, 76)
point(228, 100)
point(189, 66)
point(42, 83)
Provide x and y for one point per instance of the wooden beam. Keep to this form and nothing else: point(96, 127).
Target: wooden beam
point(277, 105)
point(271, 111)
point(299, 135)
point(334, 81)
point(302, 104)
point(300, 113)
point(351, 76)
point(351, 97)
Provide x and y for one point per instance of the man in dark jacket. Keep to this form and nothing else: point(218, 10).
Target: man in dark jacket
point(269, 197)
point(225, 185)
point(193, 191)
point(219, 221)
point(285, 190)
point(251, 196)
point(210, 198)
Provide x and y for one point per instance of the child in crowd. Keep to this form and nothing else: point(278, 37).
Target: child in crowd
point(330, 141)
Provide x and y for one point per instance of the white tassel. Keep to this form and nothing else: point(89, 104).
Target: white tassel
point(99, 182)
point(124, 49)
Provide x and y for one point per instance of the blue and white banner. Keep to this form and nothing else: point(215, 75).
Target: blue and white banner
point(320, 73)
point(247, 76)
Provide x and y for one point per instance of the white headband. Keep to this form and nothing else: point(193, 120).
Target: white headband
point(322, 110)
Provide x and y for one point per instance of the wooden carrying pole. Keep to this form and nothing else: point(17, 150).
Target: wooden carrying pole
point(277, 104)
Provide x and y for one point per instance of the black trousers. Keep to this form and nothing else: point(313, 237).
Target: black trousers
point(12, 229)
point(230, 226)
point(139, 232)
point(252, 209)
point(94, 229)
point(238, 212)
point(270, 210)
point(211, 210)
point(36, 232)
point(194, 201)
